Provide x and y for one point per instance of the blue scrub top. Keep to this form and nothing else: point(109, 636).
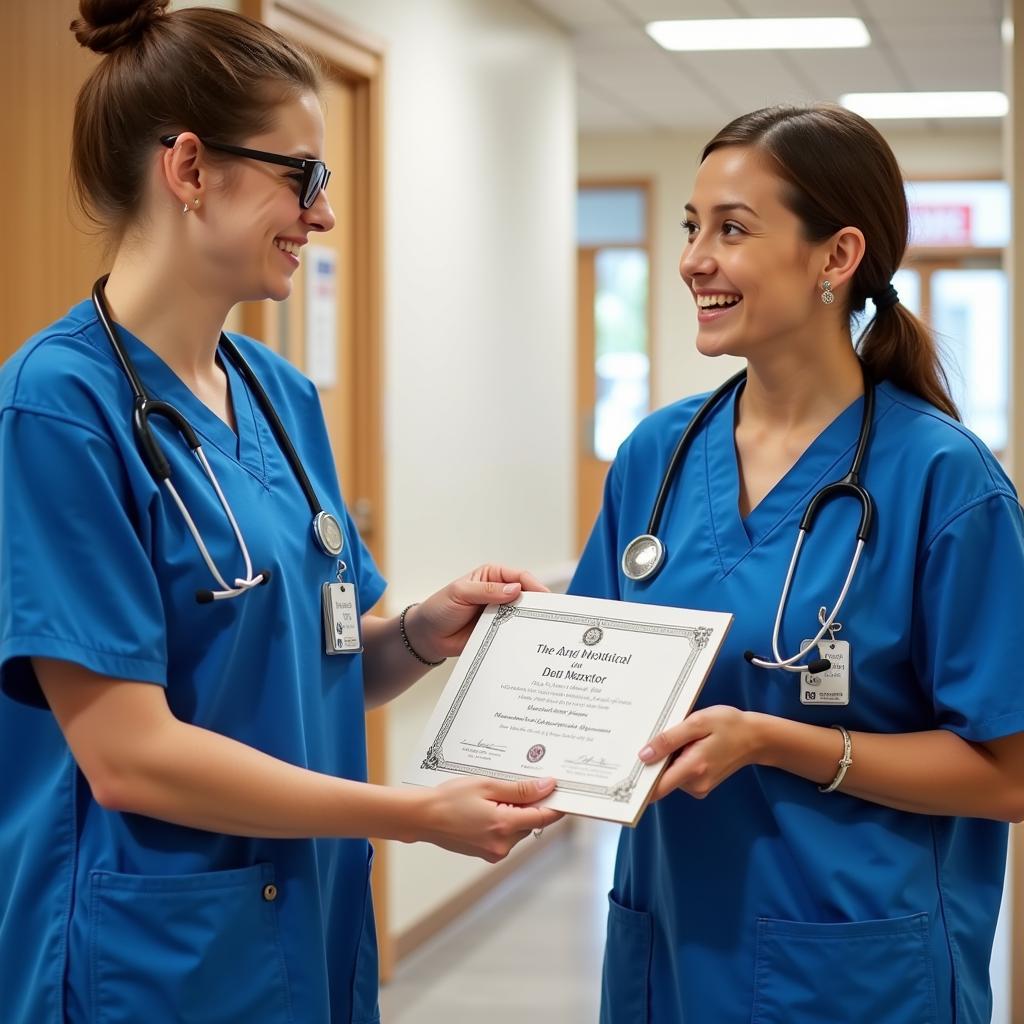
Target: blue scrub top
point(769, 902)
point(123, 918)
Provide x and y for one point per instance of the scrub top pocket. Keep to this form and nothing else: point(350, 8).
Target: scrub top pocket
point(627, 965)
point(876, 971)
point(201, 948)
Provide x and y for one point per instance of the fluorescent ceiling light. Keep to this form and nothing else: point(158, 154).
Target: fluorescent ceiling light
point(878, 105)
point(760, 34)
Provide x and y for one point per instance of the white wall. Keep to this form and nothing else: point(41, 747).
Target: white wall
point(480, 177)
point(480, 168)
point(670, 161)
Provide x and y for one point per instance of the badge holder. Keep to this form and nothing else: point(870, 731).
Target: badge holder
point(831, 688)
point(342, 627)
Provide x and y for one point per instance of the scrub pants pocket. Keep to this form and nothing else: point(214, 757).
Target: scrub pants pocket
point(201, 948)
point(627, 965)
point(864, 972)
point(365, 983)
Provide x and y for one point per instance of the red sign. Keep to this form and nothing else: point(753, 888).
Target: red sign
point(940, 224)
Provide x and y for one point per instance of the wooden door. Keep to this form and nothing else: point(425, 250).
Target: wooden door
point(49, 263)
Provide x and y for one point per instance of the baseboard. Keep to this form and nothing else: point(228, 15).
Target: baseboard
point(405, 942)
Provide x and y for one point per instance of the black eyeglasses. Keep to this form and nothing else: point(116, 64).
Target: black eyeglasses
point(314, 172)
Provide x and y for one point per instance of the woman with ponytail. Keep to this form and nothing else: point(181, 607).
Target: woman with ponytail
point(827, 843)
point(184, 806)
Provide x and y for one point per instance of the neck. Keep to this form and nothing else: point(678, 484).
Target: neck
point(162, 305)
point(801, 387)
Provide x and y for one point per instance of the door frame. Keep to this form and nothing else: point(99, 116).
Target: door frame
point(356, 57)
point(586, 338)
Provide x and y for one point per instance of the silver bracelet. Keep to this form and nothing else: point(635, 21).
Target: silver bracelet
point(844, 762)
point(405, 639)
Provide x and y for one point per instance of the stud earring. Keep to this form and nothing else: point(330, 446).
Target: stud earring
point(827, 295)
point(186, 208)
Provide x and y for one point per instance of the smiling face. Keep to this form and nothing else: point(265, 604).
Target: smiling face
point(754, 276)
point(255, 225)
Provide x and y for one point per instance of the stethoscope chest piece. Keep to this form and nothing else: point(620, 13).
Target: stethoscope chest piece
point(643, 557)
point(327, 534)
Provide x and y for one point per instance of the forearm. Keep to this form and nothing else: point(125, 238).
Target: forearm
point(389, 669)
point(194, 777)
point(933, 772)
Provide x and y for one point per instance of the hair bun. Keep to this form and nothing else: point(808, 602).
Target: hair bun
point(106, 25)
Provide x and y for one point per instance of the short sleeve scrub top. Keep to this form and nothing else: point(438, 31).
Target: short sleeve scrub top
point(120, 918)
point(769, 902)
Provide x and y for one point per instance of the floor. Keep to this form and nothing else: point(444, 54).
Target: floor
point(531, 951)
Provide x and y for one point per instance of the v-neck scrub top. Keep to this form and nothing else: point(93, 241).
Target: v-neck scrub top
point(118, 918)
point(769, 902)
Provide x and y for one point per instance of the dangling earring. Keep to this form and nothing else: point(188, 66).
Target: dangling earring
point(827, 295)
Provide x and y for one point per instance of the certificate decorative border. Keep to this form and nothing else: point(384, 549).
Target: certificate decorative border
point(619, 792)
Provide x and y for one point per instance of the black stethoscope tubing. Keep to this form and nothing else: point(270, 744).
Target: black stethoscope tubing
point(644, 556)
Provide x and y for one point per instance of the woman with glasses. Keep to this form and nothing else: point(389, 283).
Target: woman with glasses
point(184, 806)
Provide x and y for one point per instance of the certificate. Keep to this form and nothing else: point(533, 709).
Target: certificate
point(570, 688)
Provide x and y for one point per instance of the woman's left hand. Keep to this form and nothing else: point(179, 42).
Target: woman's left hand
point(710, 744)
point(440, 626)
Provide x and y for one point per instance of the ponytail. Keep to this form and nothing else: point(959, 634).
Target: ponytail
point(899, 347)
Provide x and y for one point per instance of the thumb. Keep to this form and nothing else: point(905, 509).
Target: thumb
point(521, 791)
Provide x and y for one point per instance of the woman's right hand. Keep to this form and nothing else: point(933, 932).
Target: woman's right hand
point(485, 817)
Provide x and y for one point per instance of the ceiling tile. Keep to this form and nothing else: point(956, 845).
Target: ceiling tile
point(834, 72)
point(668, 10)
point(924, 11)
point(974, 68)
point(800, 8)
point(595, 114)
point(580, 14)
point(747, 80)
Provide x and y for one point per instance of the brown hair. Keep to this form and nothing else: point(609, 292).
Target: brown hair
point(208, 71)
point(840, 172)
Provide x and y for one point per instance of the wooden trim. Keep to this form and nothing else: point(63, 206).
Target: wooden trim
point(455, 906)
point(982, 176)
point(939, 254)
point(357, 58)
point(614, 182)
point(1017, 924)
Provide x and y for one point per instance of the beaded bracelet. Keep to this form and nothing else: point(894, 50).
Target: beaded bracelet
point(844, 762)
point(405, 639)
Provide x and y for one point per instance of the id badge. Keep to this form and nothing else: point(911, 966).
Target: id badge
point(342, 628)
point(829, 688)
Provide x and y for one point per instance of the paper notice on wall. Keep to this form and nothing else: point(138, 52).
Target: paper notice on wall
point(321, 315)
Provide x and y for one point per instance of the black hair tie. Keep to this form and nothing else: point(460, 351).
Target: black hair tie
point(886, 299)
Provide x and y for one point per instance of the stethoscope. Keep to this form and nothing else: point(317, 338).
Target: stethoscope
point(645, 555)
point(326, 530)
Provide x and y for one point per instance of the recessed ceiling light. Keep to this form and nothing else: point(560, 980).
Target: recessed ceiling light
point(878, 105)
point(760, 33)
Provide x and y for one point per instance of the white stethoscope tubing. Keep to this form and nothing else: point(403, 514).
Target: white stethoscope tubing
point(241, 585)
point(787, 663)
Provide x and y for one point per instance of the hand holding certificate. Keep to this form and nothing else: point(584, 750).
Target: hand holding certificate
point(572, 688)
